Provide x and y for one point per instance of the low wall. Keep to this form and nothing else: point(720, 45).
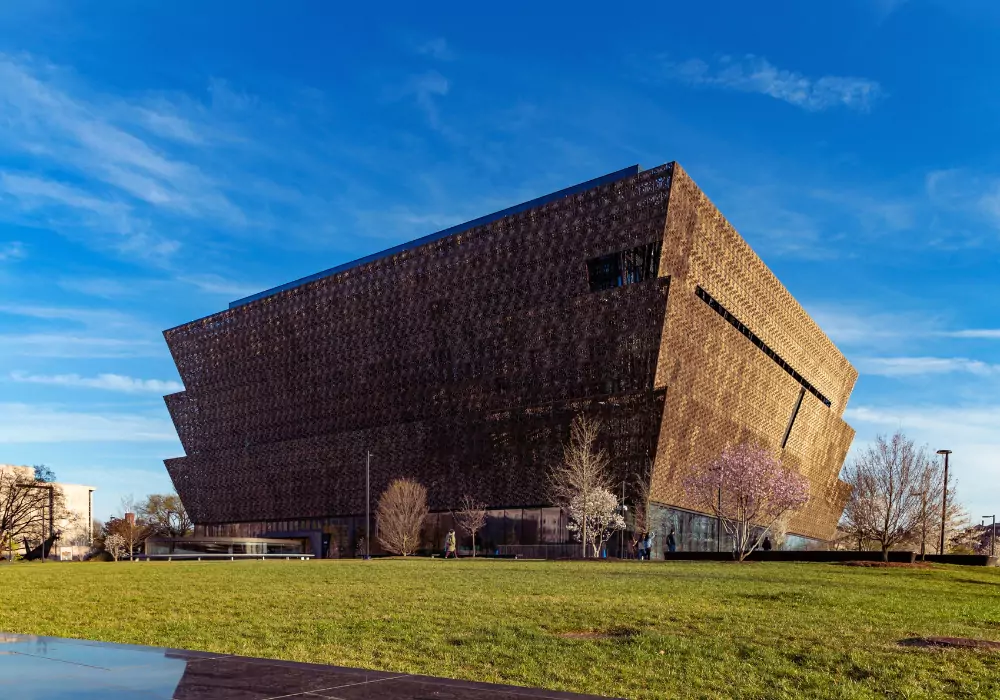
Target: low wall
point(962, 559)
point(804, 555)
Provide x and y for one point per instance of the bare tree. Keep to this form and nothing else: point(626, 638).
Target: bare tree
point(133, 531)
point(886, 480)
point(927, 532)
point(583, 470)
point(27, 506)
point(115, 545)
point(165, 514)
point(471, 518)
point(749, 491)
point(400, 513)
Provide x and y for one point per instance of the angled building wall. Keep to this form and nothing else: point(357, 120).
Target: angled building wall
point(735, 369)
point(460, 360)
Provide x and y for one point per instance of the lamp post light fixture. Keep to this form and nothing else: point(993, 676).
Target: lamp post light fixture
point(944, 498)
point(993, 533)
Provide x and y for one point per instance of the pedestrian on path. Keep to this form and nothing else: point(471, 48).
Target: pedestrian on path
point(450, 545)
point(671, 541)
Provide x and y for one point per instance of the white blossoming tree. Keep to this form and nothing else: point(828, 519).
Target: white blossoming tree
point(594, 517)
point(115, 545)
point(749, 491)
point(584, 470)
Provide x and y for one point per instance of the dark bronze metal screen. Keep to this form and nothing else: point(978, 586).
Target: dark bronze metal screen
point(459, 363)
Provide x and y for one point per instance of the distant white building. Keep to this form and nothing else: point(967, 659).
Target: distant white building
point(75, 522)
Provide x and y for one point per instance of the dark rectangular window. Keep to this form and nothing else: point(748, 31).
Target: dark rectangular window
point(624, 267)
point(735, 322)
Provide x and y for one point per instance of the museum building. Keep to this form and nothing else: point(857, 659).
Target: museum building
point(460, 358)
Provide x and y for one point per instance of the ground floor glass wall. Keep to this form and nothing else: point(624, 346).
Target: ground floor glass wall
point(697, 532)
point(528, 532)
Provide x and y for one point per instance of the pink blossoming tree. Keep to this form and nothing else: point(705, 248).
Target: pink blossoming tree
point(749, 491)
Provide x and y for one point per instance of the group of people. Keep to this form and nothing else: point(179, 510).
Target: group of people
point(645, 545)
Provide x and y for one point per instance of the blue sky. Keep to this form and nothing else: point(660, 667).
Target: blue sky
point(158, 160)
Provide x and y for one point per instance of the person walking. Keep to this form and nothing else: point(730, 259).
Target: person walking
point(650, 537)
point(642, 547)
point(450, 545)
point(671, 541)
point(767, 544)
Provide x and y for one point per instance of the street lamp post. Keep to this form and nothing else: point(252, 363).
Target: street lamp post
point(993, 533)
point(944, 498)
point(368, 505)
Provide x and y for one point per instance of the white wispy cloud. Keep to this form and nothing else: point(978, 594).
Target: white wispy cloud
point(426, 88)
point(966, 192)
point(73, 332)
point(987, 333)
point(27, 423)
point(81, 133)
point(103, 318)
point(755, 74)
point(861, 328)
point(68, 345)
point(104, 174)
point(105, 287)
point(959, 422)
point(437, 48)
point(108, 382)
point(13, 250)
point(210, 283)
point(163, 122)
point(918, 366)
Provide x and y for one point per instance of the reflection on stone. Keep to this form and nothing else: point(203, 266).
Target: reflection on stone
point(50, 668)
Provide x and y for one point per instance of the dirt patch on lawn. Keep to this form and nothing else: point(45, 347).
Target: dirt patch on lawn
point(951, 643)
point(613, 633)
point(887, 564)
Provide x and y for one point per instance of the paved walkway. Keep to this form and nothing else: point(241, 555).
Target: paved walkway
point(52, 668)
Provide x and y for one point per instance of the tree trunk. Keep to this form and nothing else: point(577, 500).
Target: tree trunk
point(583, 531)
point(885, 553)
point(473, 544)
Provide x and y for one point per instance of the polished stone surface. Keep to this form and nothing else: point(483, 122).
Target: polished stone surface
point(52, 668)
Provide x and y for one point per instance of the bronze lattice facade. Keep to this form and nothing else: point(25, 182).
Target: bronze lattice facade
point(460, 360)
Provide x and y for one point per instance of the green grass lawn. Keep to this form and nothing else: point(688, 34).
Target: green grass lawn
point(692, 630)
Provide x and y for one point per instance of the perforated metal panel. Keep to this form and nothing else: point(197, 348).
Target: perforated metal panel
point(461, 362)
point(725, 389)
